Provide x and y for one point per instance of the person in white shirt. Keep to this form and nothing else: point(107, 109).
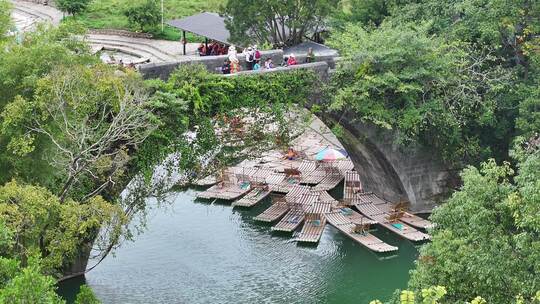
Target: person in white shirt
point(250, 58)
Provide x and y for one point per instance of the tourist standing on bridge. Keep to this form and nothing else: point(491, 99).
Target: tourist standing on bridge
point(285, 61)
point(291, 60)
point(250, 58)
point(256, 66)
point(268, 64)
point(235, 63)
point(310, 57)
point(226, 67)
point(202, 49)
point(257, 54)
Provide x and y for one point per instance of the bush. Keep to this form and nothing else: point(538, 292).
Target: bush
point(146, 15)
point(86, 296)
point(72, 7)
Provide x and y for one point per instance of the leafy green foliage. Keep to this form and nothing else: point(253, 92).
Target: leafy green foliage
point(363, 12)
point(486, 240)
point(528, 121)
point(437, 295)
point(192, 96)
point(24, 63)
point(73, 7)
point(21, 66)
point(430, 91)
point(88, 119)
point(276, 22)
point(21, 285)
point(28, 285)
point(5, 18)
point(508, 26)
point(86, 296)
point(144, 15)
point(39, 223)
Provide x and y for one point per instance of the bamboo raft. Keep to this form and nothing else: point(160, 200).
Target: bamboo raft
point(343, 224)
point(406, 217)
point(312, 230)
point(274, 213)
point(253, 197)
point(355, 217)
point(314, 177)
point(285, 186)
point(231, 186)
point(300, 200)
point(352, 185)
point(304, 200)
point(274, 180)
point(325, 197)
point(416, 221)
point(290, 221)
point(306, 167)
point(396, 226)
point(344, 165)
point(225, 192)
point(320, 207)
point(328, 183)
point(297, 191)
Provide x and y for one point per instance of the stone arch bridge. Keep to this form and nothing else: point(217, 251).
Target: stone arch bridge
point(415, 173)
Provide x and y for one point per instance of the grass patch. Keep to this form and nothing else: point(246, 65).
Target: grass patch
point(109, 14)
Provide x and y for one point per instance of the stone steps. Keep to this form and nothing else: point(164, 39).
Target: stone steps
point(131, 47)
point(24, 22)
point(130, 51)
point(32, 13)
point(142, 42)
point(41, 12)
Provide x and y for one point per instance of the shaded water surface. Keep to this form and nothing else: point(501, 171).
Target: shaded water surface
point(198, 252)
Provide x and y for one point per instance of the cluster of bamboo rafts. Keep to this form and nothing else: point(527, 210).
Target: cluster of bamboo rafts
point(299, 193)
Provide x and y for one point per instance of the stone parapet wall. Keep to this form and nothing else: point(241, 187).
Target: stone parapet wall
point(329, 59)
point(320, 68)
point(213, 64)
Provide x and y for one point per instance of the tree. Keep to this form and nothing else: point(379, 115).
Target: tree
point(441, 94)
point(510, 27)
point(528, 121)
point(85, 123)
point(73, 7)
point(364, 12)
point(486, 241)
point(91, 118)
point(5, 18)
point(21, 66)
point(39, 223)
point(276, 22)
point(145, 15)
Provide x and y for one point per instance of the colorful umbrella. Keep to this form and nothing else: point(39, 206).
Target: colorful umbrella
point(330, 154)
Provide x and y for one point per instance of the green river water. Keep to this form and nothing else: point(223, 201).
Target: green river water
point(203, 252)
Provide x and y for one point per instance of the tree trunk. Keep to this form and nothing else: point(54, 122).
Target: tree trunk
point(78, 265)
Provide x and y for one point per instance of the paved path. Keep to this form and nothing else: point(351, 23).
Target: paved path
point(28, 14)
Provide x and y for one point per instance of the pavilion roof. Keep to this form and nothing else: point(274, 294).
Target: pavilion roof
point(209, 25)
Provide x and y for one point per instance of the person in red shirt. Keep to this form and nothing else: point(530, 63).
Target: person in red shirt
point(292, 60)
